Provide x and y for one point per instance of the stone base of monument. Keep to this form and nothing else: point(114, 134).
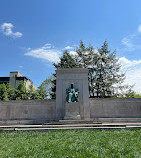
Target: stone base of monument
point(72, 117)
point(72, 111)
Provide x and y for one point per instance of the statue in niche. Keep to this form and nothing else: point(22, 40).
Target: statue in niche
point(72, 94)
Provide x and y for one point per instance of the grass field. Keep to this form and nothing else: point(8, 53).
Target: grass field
point(71, 143)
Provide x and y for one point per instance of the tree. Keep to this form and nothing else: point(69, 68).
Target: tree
point(80, 60)
point(21, 93)
point(103, 68)
point(130, 93)
point(84, 56)
point(106, 74)
point(104, 78)
point(66, 61)
point(46, 87)
point(41, 92)
point(137, 95)
point(3, 92)
point(32, 93)
point(11, 92)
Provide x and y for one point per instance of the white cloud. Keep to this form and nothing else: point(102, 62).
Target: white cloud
point(132, 69)
point(47, 46)
point(126, 41)
point(68, 47)
point(128, 63)
point(21, 66)
point(129, 43)
point(46, 52)
point(6, 29)
point(132, 42)
point(139, 28)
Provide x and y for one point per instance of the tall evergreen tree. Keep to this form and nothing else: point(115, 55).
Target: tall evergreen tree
point(66, 61)
point(106, 74)
point(85, 58)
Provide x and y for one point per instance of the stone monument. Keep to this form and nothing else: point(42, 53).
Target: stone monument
point(72, 97)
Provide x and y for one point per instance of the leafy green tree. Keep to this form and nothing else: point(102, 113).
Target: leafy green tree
point(3, 92)
point(137, 95)
point(21, 93)
point(130, 93)
point(41, 92)
point(47, 85)
point(11, 92)
point(32, 93)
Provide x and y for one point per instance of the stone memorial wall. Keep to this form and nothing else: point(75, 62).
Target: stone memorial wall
point(31, 111)
point(69, 82)
point(40, 111)
point(114, 107)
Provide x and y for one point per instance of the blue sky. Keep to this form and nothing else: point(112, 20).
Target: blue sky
point(34, 33)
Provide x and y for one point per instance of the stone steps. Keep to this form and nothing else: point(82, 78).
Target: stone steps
point(63, 122)
point(63, 128)
point(99, 121)
point(69, 126)
point(119, 120)
point(91, 121)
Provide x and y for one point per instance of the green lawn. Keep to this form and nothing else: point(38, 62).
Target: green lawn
point(71, 143)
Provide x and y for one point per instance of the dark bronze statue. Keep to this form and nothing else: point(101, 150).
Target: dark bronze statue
point(72, 94)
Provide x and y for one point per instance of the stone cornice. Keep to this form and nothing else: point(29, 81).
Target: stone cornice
point(72, 70)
